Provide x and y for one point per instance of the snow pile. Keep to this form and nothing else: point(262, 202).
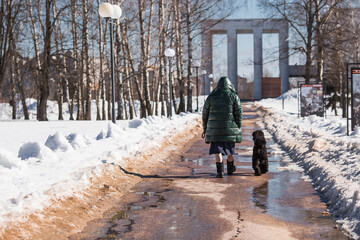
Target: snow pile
point(7, 160)
point(58, 142)
point(329, 157)
point(56, 158)
point(290, 102)
point(35, 150)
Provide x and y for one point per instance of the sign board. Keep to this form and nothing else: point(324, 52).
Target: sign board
point(312, 101)
point(355, 97)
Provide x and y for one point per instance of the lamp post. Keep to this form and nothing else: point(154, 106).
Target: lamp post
point(197, 65)
point(203, 72)
point(109, 12)
point(211, 76)
point(169, 53)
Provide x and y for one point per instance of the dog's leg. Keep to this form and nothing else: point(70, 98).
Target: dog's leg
point(256, 163)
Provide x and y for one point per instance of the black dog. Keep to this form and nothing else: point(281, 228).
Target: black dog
point(259, 159)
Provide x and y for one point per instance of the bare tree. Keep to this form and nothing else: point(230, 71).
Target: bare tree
point(86, 59)
point(119, 77)
point(190, 56)
point(6, 29)
point(58, 71)
point(44, 86)
point(179, 54)
point(61, 48)
point(307, 19)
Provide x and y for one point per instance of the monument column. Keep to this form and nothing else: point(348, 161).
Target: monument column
point(232, 56)
point(284, 56)
point(258, 62)
point(206, 58)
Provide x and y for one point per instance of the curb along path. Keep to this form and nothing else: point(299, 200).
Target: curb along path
point(182, 199)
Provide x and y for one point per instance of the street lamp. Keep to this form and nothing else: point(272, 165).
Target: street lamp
point(211, 76)
point(109, 12)
point(169, 53)
point(203, 72)
point(197, 65)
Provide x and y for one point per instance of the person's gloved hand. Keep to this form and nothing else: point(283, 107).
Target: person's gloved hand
point(203, 134)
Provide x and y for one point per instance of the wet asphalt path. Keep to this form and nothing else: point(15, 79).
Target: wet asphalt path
point(184, 200)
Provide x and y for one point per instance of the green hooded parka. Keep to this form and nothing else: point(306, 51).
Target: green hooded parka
point(222, 114)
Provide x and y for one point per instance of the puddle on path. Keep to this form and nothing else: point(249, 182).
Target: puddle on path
point(271, 195)
point(250, 116)
point(198, 161)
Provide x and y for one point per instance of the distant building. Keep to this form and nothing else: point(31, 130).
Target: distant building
point(245, 88)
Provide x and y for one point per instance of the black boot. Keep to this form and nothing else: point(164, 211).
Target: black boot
point(230, 167)
point(220, 170)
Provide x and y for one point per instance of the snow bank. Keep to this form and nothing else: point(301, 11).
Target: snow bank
point(329, 157)
point(35, 150)
point(7, 160)
point(58, 158)
point(57, 142)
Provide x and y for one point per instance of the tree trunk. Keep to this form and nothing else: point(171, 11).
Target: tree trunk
point(102, 87)
point(13, 82)
point(76, 76)
point(179, 64)
point(44, 87)
point(309, 27)
point(190, 58)
point(58, 73)
point(145, 101)
point(96, 86)
point(21, 89)
point(6, 30)
point(86, 60)
point(127, 66)
point(159, 94)
point(131, 66)
point(64, 80)
point(103, 84)
point(166, 92)
point(320, 43)
point(131, 99)
point(172, 43)
point(119, 78)
point(38, 68)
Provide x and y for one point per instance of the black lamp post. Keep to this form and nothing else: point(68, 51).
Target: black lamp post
point(197, 65)
point(203, 72)
point(109, 12)
point(169, 53)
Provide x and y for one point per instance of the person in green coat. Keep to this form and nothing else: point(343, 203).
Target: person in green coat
point(222, 115)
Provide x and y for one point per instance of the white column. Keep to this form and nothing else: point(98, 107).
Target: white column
point(284, 57)
point(232, 56)
point(258, 62)
point(206, 57)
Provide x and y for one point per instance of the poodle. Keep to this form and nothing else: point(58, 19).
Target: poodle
point(259, 159)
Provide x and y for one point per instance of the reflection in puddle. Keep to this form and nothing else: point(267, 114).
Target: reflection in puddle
point(135, 208)
point(243, 147)
point(184, 211)
point(247, 138)
point(198, 161)
point(260, 194)
point(146, 193)
point(268, 198)
point(249, 127)
point(249, 116)
point(272, 197)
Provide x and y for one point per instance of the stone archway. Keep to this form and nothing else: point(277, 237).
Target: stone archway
point(256, 26)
